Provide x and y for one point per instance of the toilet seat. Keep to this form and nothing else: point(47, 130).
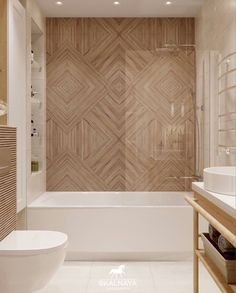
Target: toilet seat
point(26, 243)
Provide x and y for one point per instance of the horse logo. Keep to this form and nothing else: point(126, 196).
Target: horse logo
point(119, 272)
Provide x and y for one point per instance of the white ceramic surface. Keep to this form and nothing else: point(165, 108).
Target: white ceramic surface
point(117, 225)
point(109, 199)
point(225, 202)
point(29, 259)
point(220, 180)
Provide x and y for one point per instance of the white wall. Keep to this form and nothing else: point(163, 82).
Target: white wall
point(20, 15)
point(17, 90)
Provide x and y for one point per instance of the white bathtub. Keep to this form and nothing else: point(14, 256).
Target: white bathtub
point(117, 225)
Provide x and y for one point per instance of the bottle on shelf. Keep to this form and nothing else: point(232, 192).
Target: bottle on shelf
point(32, 56)
point(35, 165)
point(33, 92)
point(34, 132)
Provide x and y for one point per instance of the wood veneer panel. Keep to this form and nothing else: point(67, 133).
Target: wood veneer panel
point(8, 183)
point(115, 114)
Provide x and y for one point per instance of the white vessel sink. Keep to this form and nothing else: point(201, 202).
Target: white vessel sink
point(220, 180)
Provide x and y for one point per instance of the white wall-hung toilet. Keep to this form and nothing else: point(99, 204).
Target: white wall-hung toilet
point(29, 259)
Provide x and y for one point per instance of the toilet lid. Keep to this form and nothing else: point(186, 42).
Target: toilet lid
point(32, 242)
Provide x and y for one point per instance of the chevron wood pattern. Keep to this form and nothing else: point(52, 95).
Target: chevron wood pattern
point(7, 182)
point(119, 112)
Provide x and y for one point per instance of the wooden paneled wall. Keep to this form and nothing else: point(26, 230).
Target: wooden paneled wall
point(7, 180)
point(119, 106)
point(3, 56)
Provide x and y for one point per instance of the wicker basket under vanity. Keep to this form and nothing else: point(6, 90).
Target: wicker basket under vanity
point(227, 267)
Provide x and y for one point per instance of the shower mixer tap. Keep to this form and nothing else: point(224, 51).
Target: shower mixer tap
point(193, 177)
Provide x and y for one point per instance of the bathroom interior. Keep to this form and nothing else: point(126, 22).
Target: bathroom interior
point(118, 146)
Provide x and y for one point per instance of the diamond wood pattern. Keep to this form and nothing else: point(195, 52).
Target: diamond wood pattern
point(7, 181)
point(119, 112)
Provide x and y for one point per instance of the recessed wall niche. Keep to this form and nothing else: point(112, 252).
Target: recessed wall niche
point(36, 129)
point(37, 93)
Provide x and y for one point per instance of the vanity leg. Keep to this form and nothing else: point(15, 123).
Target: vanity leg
point(195, 247)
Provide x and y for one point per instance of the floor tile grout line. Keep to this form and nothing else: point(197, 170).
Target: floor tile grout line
point(152, 276)
point(89, 276)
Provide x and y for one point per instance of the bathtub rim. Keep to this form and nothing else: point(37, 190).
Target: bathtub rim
point(38, 204)
point(106, 207)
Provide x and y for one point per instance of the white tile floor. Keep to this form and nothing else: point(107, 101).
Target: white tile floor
point(139, 277)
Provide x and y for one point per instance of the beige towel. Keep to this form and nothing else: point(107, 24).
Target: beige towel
point(225, 246)
point(214, 234)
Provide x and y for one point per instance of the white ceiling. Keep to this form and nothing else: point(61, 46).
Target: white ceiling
point(127, 8)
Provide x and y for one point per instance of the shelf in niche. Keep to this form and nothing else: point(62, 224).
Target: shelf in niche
point(36, 173)
point(36, 101)
point(37, 134)
point(36, 65)
point(35, 30)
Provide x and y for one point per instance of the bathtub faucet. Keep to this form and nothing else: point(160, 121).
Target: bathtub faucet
point(193, 177)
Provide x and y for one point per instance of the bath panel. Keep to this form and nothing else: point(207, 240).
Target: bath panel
point(117, 226)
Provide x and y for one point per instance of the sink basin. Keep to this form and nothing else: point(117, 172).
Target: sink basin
point(220, 180)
